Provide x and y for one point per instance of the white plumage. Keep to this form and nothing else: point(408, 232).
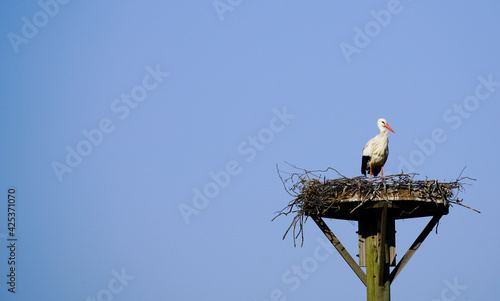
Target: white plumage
point(376, 151)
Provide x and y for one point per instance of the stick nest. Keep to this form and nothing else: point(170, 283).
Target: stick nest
point(314, 194)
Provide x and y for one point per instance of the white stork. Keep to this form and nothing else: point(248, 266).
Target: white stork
point(376, 151)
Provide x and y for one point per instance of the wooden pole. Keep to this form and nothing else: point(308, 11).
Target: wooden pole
point(377, 257)
point(371, 259)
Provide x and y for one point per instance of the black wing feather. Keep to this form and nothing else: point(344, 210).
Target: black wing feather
point(376, 170)
point(364, 164)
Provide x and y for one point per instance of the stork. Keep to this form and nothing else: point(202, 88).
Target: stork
point(376, 151)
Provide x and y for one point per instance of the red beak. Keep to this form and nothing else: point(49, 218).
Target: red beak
point(389, 128)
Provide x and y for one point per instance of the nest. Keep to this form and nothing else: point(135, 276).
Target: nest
point(315, 194)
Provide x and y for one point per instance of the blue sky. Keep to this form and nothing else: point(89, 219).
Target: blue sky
point(142, 140)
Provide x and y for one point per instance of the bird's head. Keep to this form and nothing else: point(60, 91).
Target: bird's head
point(382, 123)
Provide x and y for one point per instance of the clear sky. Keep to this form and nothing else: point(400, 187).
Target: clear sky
point(141, 139)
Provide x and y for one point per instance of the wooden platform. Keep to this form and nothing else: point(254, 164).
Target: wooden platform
point(355, 209)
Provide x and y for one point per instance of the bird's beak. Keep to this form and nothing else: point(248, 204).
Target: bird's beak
point(389, 128)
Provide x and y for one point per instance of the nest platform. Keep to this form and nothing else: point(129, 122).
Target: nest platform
point(356, 198)
point(353, 199)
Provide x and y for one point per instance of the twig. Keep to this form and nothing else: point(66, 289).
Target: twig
point(466, 206)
